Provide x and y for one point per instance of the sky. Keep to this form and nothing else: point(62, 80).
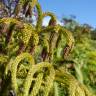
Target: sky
point(84, 10)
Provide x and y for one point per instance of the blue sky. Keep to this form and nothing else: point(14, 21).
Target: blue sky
point(84, 10)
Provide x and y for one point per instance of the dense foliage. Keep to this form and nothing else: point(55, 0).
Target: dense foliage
point(43, 61)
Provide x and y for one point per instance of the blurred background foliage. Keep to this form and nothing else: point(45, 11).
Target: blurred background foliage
point(83, 56)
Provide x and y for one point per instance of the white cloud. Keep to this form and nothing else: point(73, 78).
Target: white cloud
point(46, 21)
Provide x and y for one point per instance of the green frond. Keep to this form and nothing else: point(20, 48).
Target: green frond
point(49, 79)
point(15, 65)
point(73, 86)
point(40, 17)
point(53, 17)
point(37, 85)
